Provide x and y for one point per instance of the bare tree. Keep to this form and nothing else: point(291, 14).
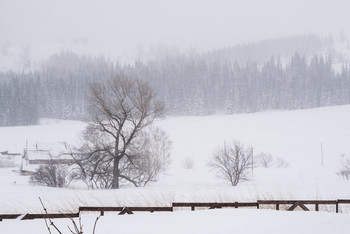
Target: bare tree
point(148, 157)
point(122, 108)
point(232, 162)
point(92, 161)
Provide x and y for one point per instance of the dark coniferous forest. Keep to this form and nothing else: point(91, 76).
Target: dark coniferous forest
point(248, 78)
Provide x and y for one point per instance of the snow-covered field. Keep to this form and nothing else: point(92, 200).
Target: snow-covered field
point(198, 222)
point(294, 136)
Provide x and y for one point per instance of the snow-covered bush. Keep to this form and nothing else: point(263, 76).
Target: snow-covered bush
point(267, 160)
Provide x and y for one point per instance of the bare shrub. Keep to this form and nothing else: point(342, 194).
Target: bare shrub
point(281, 163)
point(344, 171)
point(187, 163)
point(232, 162)
point(264, 160)
point(51, 174)
point(267, 160)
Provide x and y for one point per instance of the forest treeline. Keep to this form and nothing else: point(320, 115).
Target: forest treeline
point(188, 84)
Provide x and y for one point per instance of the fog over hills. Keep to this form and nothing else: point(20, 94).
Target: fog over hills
point(131, 26)
point(201, 57)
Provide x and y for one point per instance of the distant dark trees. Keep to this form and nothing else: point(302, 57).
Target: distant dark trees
point(18, 100)
point(188, 85)
point(58, 90)
point(192, 86)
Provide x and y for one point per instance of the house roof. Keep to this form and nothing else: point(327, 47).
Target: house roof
point(44, 155)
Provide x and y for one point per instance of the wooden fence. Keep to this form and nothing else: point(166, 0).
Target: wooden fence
point(290, 204)
point(215, 205)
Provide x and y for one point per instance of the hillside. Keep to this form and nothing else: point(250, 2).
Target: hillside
point(276, 74)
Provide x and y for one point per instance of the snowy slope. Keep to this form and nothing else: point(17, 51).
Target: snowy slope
point(294, 136)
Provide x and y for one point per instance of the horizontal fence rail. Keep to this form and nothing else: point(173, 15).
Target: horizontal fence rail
point(291, 204)
point(125, 210)
point(301, 203)
point(214, 205)
point(38, 216)
point(9, 216)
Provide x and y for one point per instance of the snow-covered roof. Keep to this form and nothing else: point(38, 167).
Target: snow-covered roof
point(37, 155)
point(45, 155)
point(54, 147)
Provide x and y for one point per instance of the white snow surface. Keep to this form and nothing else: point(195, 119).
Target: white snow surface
point(295, 136)
point(201, 222)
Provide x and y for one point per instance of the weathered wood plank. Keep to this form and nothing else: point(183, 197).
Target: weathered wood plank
point(9, 216)
point(150, 209)
point(344, 201)
point(302, 206)
point(214, 204)
point(126, 210)
point(146, 209)
point(293, 206)
point(100, 208)
point(286, 202)
point(51, 216)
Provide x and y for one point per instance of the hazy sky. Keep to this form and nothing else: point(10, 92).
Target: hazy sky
point(183, 23)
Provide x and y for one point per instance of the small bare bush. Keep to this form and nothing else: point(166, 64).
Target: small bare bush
point(344, 171)
point(281, 163)
point(232, 162)
point(267, 160)
point(264, 160)
point(187, 163)
point(51, 174)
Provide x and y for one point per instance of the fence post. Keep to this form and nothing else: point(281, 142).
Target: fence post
point(337, 207)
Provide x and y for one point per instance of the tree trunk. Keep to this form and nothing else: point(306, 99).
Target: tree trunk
point(116, 173)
